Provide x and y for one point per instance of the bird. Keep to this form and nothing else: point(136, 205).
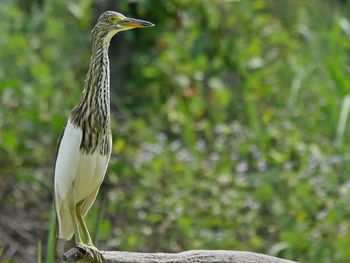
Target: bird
point(84, 147)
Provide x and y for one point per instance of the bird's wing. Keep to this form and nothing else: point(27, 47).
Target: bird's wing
point(67, 161)
point(59, 141)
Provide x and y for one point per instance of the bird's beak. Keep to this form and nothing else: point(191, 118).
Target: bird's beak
point(135, 23)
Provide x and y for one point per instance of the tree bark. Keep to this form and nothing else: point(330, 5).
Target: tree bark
point(192, 256)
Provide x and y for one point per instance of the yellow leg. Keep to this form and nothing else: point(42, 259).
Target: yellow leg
point(72, 210)
point(94, 252)
point(83, 225)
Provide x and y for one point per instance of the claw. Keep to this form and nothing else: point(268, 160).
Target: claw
point(82, 251)
point(95, 254)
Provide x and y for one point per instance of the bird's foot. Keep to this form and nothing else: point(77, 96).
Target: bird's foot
point(97, 255)
point(93, 253)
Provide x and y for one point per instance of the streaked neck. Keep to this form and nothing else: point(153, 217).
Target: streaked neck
point(96, 98)
point(92, 114)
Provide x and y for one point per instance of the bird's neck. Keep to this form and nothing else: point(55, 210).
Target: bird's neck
point(92, 114)
point(94, 105)
point(97, 81)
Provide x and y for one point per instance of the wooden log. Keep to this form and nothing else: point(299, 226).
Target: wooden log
point(191, 256)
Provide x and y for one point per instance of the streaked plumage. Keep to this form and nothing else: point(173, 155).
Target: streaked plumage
point(85, 146)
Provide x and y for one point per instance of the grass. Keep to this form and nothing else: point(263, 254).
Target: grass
point(51, 237)
point(344, 114)
point(39, 253)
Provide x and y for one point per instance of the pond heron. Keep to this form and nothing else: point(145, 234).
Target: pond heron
point(85, 144)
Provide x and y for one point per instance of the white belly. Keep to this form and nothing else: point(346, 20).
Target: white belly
point(77, 175)
point(90, 174)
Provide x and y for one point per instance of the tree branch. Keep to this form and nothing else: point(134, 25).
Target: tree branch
point(192, 256)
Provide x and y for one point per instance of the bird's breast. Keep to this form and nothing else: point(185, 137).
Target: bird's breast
point(95, 136)
point(76, 170)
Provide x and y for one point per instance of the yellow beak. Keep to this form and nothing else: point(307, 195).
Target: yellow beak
point(135, 23)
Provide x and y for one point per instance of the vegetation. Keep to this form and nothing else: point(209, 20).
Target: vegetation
point(229, 122)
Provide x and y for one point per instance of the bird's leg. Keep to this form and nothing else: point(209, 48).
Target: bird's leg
point(94, 251)
point(83, 226)
point(78, 240)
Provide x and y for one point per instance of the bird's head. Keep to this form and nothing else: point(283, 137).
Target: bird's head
point(110, 23)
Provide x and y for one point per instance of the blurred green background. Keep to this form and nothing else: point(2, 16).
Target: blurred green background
point(229, 123)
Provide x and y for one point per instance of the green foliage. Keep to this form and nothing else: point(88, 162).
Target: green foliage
point(230, 124)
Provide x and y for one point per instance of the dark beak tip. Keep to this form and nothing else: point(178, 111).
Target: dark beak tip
point(149, 24)
point(143, 23)
point(137, 23)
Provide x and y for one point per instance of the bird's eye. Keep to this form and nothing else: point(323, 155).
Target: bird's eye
point(112, 19)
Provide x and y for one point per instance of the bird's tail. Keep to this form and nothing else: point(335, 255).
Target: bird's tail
point(65, 224)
